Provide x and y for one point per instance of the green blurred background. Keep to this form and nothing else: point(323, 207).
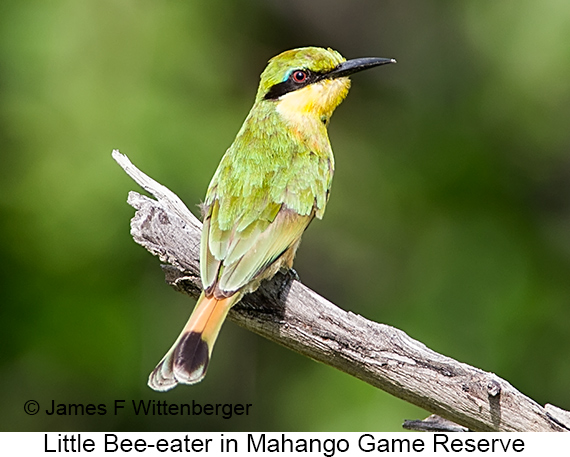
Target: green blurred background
point(449, 215)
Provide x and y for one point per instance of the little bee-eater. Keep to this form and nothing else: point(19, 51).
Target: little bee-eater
point(271, 183)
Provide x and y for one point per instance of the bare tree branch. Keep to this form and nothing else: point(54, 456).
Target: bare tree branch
point(289, 313)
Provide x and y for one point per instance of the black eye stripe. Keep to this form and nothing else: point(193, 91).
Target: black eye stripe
point(290, 85)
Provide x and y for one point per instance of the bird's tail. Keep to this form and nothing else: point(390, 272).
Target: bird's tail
point(187, 360)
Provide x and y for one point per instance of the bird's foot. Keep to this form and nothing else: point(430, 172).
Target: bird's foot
point(289, 275)
point(293, 275)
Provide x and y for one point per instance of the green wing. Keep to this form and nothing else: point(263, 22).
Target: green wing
point(233, 259)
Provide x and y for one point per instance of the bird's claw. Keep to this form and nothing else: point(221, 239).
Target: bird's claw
point(289, 275)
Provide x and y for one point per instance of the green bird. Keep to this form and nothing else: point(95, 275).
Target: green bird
point(272, 181)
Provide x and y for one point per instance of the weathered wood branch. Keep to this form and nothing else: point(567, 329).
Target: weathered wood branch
point(289, 313)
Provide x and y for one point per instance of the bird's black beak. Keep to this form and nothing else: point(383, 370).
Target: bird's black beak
point(355, 65)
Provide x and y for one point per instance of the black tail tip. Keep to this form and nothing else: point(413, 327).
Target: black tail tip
point(191, 359)
point(186, 363)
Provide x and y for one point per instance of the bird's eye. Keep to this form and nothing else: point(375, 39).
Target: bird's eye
point(299, 76)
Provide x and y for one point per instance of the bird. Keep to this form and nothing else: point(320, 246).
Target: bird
point(273, 180)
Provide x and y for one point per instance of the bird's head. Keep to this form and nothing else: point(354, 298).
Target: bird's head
point(310, 80)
